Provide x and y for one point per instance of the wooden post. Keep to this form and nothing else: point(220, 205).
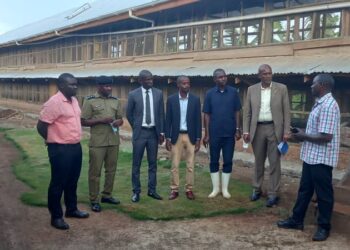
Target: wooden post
point(210, 36)
point(52, 88)
point(345, 26)
point(315, 25)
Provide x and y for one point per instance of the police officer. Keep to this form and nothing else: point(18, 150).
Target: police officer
point(102, 113)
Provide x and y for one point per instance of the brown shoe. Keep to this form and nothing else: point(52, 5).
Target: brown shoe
point(190, 195)
point(173, 195)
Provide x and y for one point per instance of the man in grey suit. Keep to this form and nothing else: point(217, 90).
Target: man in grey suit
point(145, 113)
point(266, 123)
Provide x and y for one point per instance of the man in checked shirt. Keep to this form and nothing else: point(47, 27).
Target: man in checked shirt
point(319, 152)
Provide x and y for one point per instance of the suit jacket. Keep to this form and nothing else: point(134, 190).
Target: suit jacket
point(279, 105)
point(134, 111)
point(193, 118)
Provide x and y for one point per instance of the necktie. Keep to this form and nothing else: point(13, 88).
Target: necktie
point(148, 109)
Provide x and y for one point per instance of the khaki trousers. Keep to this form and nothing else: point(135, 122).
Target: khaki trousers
point(99, 155)
point(265, 144)
point(183, 144)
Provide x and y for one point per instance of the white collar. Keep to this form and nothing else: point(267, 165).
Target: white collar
point(180, 97)
point(144, 90)
point(266, 87)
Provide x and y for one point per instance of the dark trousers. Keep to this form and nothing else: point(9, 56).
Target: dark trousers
point(316, 178)
point(147, 140)
point(226, 145)
point(65, 160)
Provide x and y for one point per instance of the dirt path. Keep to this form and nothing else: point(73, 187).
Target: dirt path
point(25, 227)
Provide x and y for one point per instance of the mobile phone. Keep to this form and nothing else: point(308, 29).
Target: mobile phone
point(293, 130)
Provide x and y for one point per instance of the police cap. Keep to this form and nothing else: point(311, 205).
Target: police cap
point(104, 80)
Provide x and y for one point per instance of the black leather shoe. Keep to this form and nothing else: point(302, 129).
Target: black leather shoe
point(59, 224)
point(321, 234)
point(77, 214)
point(96, 207)
point(110, 200)
point(272, 201)
point(154, 195)
point(290, 224)
point(255, 196)
point(135, 197)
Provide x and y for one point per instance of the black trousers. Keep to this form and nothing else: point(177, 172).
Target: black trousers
point(147, 140)
point(315, 178)
point(65, 160)
point(227, 146)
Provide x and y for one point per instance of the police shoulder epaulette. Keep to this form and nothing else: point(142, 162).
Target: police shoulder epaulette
point(113, 97)
point(90, 97)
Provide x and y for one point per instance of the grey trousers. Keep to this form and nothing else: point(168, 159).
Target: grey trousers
point(265, 145)
point(147, 140)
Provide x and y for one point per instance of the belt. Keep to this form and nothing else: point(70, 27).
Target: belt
point(264, 123)
point(183, 132)
point(148, 128)
point(61, 144)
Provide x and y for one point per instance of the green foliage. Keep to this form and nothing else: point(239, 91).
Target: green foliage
point(4, 129)
point(34, 170)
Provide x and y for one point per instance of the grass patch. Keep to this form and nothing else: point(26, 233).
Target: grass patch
point(4, 129)
point(34, 170)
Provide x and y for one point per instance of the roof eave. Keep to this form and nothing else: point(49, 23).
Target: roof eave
point(102, 20)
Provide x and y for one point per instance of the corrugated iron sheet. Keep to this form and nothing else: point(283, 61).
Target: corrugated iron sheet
point(99, 9)
point(335, 63)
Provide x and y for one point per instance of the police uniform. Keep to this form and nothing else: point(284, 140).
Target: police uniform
point(104, 143)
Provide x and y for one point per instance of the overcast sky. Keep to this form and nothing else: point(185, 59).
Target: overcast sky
point(17, 13)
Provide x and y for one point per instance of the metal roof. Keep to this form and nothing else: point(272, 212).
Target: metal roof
point(99, 9)
point(334, 63)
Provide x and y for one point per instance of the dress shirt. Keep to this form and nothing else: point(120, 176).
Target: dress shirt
point(63, 118)
point(265, 114)
point(324, 118)
point(144, 124)
point(183, 112)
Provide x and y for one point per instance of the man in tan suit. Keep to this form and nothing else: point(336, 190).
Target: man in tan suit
point(266, 122)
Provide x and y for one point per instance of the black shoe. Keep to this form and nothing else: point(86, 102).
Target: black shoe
point(321, 234)
point(154, 195)
point(96, 207)
point(135, 197)
point(290, 224)
point(255, 196)
point(77, 214)
point(273, 201)
point(110, 200)
point(59, 224)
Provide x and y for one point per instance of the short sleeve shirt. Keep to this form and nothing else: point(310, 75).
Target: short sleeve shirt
point(63, 118)
point(97, 107)
point(222, 107)
point(324, 118)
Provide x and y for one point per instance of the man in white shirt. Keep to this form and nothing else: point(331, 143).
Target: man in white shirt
point(183, 131)
point(266, 123)
point(145, 113)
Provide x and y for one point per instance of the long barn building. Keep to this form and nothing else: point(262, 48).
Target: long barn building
point(298, 38)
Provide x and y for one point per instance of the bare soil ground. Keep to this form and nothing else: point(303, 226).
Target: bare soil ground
point(26, 227)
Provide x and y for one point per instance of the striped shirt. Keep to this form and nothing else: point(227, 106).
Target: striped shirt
point(324, 118)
